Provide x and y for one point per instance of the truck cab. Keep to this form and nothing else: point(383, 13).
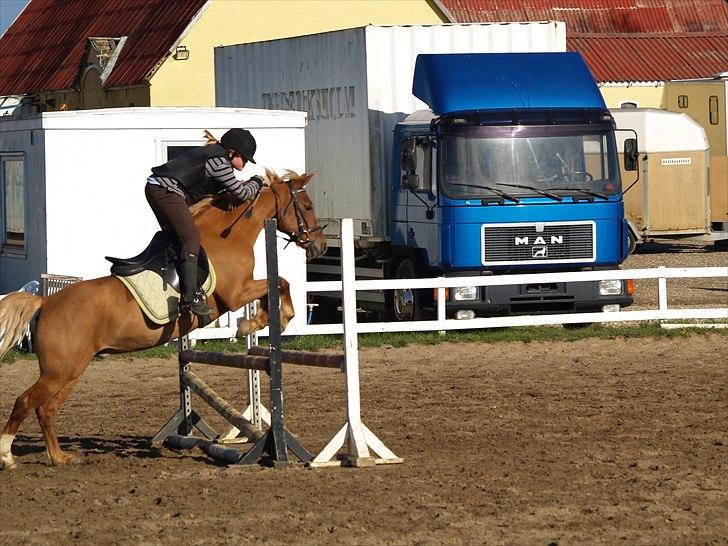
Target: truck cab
point(514, 169)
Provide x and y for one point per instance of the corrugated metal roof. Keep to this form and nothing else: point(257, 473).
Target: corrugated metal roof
point(657, 57)
point(624, 40)
point(45, 47)
point(599, 16)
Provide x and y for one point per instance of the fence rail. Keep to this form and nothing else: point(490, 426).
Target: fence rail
point(661, 312)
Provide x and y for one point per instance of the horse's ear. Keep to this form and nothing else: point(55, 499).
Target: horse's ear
point(305, 178)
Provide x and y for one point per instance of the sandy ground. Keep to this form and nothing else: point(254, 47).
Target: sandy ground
point(590, 442)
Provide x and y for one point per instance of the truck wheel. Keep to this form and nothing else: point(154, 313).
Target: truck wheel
point(631, 242)
point(403, 304)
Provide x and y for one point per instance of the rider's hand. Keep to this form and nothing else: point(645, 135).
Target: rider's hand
point(260, 180)
point(266, 181)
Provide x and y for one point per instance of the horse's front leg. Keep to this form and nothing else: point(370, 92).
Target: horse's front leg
point(259, 289)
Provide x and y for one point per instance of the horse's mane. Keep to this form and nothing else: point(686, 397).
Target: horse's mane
point(225, 201)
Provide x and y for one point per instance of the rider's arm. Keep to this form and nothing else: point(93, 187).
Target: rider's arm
point(219, 169)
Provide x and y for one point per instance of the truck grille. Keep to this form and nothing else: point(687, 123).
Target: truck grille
point(559, 242)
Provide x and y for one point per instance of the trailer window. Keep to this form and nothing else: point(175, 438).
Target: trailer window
point(169, 149)
point(12, 188)
point(713, 109)
point(174, 151)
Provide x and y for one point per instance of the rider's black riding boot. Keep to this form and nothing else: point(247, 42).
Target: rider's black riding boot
point(188, 287)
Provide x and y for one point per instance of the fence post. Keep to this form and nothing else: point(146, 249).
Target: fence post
point(662, 292)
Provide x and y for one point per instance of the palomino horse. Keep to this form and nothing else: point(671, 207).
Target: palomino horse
point(101, 316)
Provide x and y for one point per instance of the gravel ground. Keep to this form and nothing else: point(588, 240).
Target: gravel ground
point(685, 293)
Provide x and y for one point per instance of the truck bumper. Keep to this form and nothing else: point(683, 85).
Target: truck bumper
point(539, 299)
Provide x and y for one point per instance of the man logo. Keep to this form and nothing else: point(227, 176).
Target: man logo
point(539, 252)
point(540, 240)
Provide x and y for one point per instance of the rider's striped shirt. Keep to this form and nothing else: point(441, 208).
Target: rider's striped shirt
point(220, 170)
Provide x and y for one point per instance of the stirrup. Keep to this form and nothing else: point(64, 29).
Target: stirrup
point(201, 309)
point(197, 307)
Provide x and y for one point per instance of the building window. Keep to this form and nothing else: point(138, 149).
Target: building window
point(682, 101)
point(628, 104)
point(12, 194)
point(713, 109)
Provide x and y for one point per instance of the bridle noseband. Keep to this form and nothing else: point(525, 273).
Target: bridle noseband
point(302, 237)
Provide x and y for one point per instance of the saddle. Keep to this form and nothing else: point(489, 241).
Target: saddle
point(161, 257)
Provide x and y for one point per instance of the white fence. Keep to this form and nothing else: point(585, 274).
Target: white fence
point(349, 284)
point(226, 326)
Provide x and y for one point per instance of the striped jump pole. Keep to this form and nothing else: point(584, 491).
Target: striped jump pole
point(271, 447)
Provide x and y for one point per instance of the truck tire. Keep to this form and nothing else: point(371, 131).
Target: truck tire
point(403, 304)
point(631, 242)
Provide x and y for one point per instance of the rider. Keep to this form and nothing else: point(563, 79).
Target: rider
point(188, 178)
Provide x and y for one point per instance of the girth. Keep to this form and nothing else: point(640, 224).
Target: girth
point(161, 257)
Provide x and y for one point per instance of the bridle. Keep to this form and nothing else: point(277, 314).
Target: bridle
point(302, 237)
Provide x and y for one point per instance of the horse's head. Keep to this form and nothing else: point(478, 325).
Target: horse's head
point(295, 214)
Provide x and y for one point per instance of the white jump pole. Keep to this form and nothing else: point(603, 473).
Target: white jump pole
point(358, 437)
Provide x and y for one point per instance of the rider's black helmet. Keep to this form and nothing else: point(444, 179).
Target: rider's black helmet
point(241, 141)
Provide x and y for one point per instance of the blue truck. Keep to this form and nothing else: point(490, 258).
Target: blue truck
point(513, 170)
point(511, 167)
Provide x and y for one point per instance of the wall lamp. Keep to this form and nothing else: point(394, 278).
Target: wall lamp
point(181, 53)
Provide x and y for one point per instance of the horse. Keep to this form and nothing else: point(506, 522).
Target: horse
point(101, 316)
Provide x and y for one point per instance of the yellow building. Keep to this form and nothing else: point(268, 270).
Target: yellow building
point(243, 21)
point(633, 94)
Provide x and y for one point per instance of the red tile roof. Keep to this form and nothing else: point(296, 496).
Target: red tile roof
point(599, 16)
point(656, 57)
point(624, 40)
point(44, 48)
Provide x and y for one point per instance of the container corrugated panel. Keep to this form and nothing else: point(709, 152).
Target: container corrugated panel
point(356, 84)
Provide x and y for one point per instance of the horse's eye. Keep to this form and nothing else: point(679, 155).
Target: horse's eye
point(309, 207)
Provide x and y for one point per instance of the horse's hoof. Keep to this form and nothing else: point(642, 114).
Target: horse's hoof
point(13, 465)
point(245, 328)
point(64, 458)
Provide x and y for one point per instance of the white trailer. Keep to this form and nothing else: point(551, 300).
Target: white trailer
point(671, 199)
point(356, 84)
point(79, 179)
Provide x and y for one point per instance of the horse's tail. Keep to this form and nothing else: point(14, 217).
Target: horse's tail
point(16, 311)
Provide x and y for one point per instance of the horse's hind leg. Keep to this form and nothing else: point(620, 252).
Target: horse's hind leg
point(46, 413)
point(41, 391)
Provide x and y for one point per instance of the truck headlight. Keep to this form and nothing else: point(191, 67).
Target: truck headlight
point(466, 293)
point(610, 288)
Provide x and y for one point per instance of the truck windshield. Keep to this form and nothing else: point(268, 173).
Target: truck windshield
point(529, 161)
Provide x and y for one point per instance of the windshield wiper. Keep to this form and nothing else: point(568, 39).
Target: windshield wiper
point(497, 191)
point(533, 188)
point(586, 191)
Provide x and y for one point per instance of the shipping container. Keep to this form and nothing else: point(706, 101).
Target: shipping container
point(356, 85)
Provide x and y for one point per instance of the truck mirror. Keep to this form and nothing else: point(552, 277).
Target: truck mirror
point(408, 155)
point(411, 181)
point(630, 154)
